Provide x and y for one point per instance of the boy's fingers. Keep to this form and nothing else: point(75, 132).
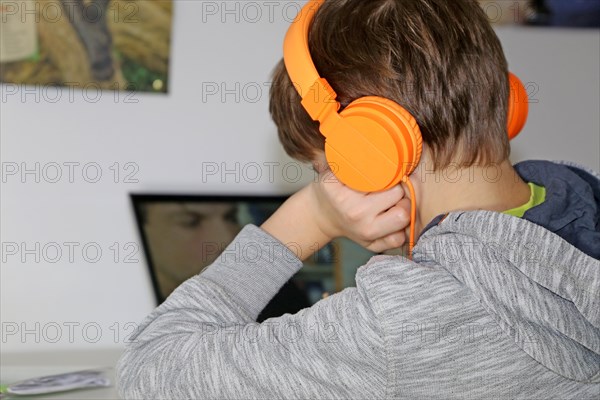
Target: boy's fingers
point(385, 200)
point(392, 241)
point(393, 220)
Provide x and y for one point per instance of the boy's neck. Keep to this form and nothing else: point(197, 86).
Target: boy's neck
point(495, 187)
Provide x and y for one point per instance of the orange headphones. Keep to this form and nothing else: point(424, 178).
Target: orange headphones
point(374, 143)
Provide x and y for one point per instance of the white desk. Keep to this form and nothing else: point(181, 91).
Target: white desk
point(16, 367)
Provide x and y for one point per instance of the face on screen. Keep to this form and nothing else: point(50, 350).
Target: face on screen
point(183, 238)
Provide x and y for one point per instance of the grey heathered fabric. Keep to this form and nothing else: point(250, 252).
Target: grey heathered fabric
point(491, 307)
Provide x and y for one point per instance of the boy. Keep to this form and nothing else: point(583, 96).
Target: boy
point(500, 298)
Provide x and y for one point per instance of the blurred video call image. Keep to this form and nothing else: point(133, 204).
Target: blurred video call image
point(182, 235)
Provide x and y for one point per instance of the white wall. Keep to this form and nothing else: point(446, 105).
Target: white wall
point(563, 67)
point(169, 137)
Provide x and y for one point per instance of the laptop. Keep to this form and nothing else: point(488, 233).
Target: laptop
point(183, 234)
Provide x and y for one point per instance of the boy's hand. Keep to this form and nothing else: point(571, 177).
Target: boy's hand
point(327, 209)
point(376, 221)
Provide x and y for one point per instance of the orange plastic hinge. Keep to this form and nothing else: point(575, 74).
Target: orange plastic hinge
point(320, 100)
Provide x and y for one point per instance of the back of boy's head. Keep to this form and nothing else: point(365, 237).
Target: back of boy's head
point(439, 59)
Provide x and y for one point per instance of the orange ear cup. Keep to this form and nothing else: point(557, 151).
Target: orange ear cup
point(374, 145)
point(378, 142)
point(518, 106)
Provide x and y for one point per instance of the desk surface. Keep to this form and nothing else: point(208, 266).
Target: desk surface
point(16, 367)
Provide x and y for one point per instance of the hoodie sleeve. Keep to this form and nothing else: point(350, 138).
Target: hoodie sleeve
point(203, 341)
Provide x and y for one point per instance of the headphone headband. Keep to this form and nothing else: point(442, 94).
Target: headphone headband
point(318, 98)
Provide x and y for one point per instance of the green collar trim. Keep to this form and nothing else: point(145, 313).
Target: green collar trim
point(538, 196)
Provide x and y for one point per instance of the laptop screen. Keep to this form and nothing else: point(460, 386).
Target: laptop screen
point(183, 234)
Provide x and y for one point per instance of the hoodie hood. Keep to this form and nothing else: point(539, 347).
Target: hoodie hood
point(572, 206)
point(543, 291)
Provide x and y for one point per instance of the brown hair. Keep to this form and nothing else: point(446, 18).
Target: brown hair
point(439, 59)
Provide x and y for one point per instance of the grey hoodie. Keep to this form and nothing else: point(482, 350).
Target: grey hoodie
point(491, 306)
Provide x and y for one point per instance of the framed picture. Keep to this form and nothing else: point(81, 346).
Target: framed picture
point(86, 44)
point(183, 234)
